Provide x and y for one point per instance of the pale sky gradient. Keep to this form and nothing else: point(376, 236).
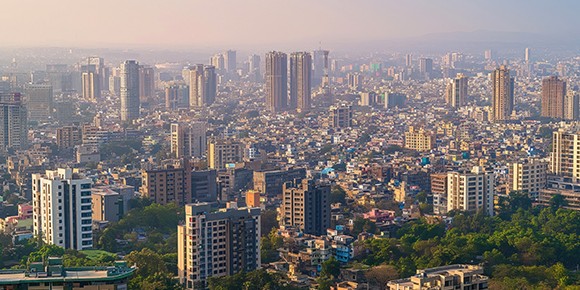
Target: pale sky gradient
point(235, 23)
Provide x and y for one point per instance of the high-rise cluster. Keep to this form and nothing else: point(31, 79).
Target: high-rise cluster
point(277, 82)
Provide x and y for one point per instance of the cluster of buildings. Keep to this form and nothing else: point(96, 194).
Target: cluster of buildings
point(229, 143)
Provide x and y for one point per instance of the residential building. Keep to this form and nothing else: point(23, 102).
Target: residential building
point(129, 89)
point(146, 83)
point(39, 102)
point(217, 243)
point(306, 206)
point(61, 201)
point(456, 93)
point(439, 192)
point(444, 277)
point(68, 137)
point(553, 98)
point(571, 106)
point(271, 182)
point(419, 140)
point(470, 191)
point(13, 122)
point(204, 186)
point(111, 203)
point(176, 96)
point(222, 152)
point(527, 175)
point(393, 100)
point(503, 94)
point(170, 183)
point(188, 140)
point(565, 159)
point(341, 116)
point(300, 81)
point(276, 81)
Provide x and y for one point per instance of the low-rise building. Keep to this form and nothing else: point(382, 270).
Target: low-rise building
point(444, 278)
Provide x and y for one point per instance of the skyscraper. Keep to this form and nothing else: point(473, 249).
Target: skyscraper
point(202, 85)
point(176, 96)
point(39, 102)
point(527, 55)
point(146, 83)
point(503, 94)
point(341, 116)
point(217, 243)
point(92, 73)
point(300, 81)
point(188, 140)
point(306, 206)
point(230, 61)
point(456, 93)
point(425, 67)
point(254, 68)
point(130, 101)
point(276, 81)
point(553, 97)
point(62, 214)
point(571, 106)
point(318, 67)
point(13, 122)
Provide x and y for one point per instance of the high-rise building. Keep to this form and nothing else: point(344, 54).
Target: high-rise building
point(13, 122)
point(188, 140)
point(456, 93)
point(355, 81)
point(218, 61)
point(425, 67)
point(68, 137)
point(527, 175)
point(230, 61)
point(300, 81)
point(419, 140)
point(111, 203)
point(565, 157)
point(276, 81)
point(409, 60)
point(210, 85)
point(254, 70)
point(61, 201)
point(470, 191)
point(221, 152)
point(168, 184)
point(553, 97)
point(318, 67)
point(130, 101)
point(488, 55)
point(341, 116)
point(439, 192)
point(39, 102)
point(217, 243)
point(393, 100)
point(527, 56)
point(271, 182)
point(204, 186)
point(571, 106)
point(92, 74)
point(146, 84)
point(202, 85)
point(176, 96)
point(503, 94)
point(306, 206)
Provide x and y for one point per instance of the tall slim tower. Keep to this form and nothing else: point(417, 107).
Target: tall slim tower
point(254, 68)
point(527, 55)
point(230, 61)
point(553, 97)
point(457, 91)
point(276, 81)
point(146, 83)
point(13, 124)
point(130, 102)
point(202, 85)
point(503, 93)
point(210, 85)
point(300, 81)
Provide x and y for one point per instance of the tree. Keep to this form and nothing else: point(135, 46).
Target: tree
point(269, 221)
point(557, 201)
point(378, 276)
point(147, 261)
point(330, 268)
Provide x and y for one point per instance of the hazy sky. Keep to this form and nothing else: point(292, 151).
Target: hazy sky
point(235, 23)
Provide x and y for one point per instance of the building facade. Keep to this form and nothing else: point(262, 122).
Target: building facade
point(471, 191)
point(188, 140)
point(217, 243)
point(553, 98)
point(61, 202)
point(300, 81)
point(276, 81)
point(306, 206)
point(13, 122)
point(130, 99)
point(503, 94)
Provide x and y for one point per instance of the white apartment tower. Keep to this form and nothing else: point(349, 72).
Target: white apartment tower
point(470, 191)
point(62, 212)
